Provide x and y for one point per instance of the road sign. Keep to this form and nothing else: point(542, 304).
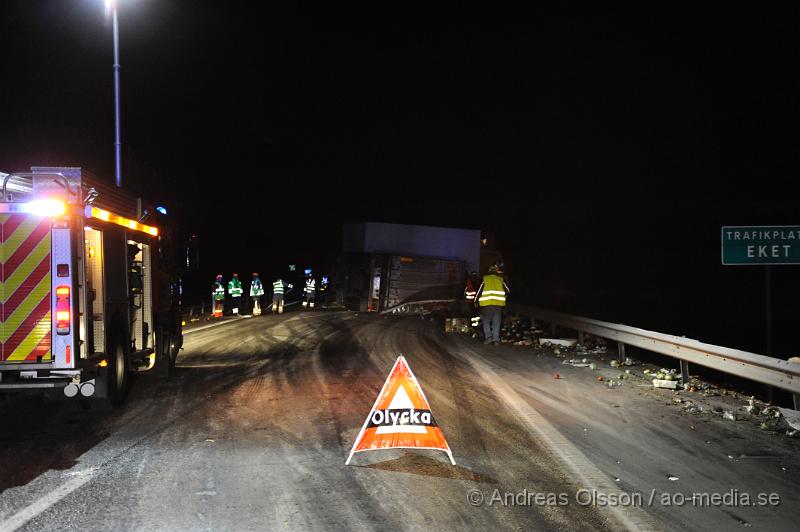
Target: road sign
point(767, 244)
point(292, 267)
point(401, 417)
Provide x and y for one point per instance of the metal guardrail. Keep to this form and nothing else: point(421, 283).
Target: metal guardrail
point(771, 371)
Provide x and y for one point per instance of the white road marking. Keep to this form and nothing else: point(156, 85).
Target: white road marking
point(122, 442)
point(26, 514)
point(582, 470)
point(80, 477)
point(142, 464)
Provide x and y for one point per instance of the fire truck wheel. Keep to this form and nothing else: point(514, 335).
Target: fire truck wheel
point(118, 376)
point(171, 354)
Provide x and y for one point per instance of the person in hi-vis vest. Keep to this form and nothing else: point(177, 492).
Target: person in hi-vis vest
point(309, 290)
point(279, 289)
point(491, 299)
point(469, 298)
point(235, 291)
point(256, 291)
point(218, 296)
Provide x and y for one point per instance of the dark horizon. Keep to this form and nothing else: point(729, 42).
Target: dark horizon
point(603, 148)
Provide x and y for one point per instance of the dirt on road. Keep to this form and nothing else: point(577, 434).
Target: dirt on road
point(254, 430)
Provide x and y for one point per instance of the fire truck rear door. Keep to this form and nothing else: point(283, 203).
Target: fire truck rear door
point(25, 288)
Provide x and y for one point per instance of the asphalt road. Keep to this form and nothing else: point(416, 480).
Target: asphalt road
point(253, 433)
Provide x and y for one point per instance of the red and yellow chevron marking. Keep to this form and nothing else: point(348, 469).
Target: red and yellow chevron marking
point(25, 284)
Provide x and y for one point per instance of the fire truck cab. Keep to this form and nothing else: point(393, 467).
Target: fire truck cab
point(86, 295)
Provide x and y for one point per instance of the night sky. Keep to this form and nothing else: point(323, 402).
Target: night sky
point(603, 148)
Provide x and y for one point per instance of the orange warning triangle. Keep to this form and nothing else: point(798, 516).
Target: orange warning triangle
point(401, 417)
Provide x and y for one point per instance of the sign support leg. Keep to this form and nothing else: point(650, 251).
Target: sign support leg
point(768, 318)
point(768, 309)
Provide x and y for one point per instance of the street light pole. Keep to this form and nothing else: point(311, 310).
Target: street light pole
point(117, 142)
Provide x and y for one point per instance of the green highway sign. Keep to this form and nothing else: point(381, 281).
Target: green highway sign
point(767, 244)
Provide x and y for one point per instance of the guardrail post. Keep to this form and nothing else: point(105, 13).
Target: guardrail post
point(202, 309)
point(621, 352)
point(580, 337)
point(685, 371)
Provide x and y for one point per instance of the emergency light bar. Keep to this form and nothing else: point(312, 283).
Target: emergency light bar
point(106, 216)
point(42, 207)
point(54, 208)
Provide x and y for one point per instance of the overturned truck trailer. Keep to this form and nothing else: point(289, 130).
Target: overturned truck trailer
point(384, 266)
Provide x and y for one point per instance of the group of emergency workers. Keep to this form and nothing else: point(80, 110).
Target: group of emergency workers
point(279, 290)
point(489, 298)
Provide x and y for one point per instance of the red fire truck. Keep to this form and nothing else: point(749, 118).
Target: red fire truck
point(86, 293)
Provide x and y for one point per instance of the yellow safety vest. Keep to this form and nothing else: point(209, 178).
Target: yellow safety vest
point(493, 292)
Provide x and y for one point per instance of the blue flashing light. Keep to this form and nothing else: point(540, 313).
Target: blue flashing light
point(162, 210)
point(307, 272)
